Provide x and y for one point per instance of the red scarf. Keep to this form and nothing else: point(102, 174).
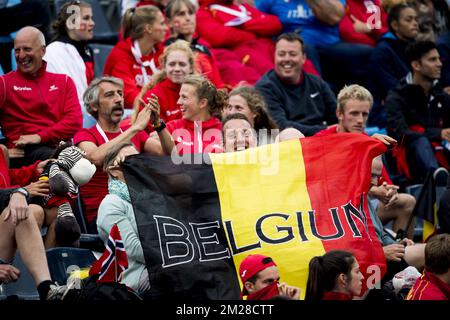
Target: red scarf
point(265, 293)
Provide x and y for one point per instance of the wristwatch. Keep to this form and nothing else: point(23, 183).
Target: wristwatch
point(22, 191)
point(160, 126)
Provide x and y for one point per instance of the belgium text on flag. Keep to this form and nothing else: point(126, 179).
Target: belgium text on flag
point(113, 261)
point(290, 201)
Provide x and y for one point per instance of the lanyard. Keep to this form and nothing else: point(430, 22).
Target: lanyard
point(136, 51)
point(102, 133)
point(242, 16)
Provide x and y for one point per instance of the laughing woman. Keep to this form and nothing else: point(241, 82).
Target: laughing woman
point(198, 131)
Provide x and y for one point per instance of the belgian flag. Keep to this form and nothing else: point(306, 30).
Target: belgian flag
point(426, 207)
point(290, 201)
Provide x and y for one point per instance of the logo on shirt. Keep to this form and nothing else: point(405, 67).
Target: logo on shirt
point(53, 88)
point(313, 95)
point(301, 12)
point(21, 88)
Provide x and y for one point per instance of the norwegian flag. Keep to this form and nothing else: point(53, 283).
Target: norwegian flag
point(113, 261)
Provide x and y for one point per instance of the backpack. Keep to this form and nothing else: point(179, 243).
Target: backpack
point(93, 291)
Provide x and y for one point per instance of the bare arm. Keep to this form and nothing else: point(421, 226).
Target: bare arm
point(96, 154)
point(160, 142)
point(329, 12)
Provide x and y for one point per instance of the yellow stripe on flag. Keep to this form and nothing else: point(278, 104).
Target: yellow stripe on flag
point(261, 181)
point(429, 228)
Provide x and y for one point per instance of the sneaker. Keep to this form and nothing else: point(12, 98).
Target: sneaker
point(57, 292)
point(440, 177)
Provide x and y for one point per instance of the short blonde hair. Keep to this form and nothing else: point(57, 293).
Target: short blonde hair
point(353, 92)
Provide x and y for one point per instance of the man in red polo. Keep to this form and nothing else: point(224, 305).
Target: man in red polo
point(434, 284)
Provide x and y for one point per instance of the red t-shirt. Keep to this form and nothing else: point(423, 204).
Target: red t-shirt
point(93, 192)
point(197, 137)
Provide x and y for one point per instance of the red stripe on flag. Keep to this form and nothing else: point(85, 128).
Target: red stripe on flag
point(337, 172)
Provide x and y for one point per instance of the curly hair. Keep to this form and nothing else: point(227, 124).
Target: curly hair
point(217, 98)
point(257, 106)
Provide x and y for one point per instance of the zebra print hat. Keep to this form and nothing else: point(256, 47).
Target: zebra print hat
point(69, 156)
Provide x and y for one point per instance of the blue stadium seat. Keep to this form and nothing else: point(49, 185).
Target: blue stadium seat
point(63, 261)
point(1, 71)
point(102, 31)
point(24, 288)
point(372, 130)
point(13, 61)
point(100, 54)
point(87, 241)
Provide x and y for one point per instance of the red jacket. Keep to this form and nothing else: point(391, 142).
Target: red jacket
point(121, 63)
point(211, 24)
point(384, 173)
point(197, 137)
point(168, 94)
point(46, 105)
point(363, 10)
point(13, 178)
point(429, 287)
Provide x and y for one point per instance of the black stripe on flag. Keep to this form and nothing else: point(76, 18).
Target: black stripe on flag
point(178, 216)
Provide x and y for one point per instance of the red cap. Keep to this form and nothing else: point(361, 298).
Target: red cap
point(253, 264)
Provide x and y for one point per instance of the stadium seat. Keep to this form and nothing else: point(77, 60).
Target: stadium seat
point(87, 241)
point(13, 61)
point(102, 30)
point(101, 53)
point(78, 212)
point(22, 289)
point(63, 261)
point(372, 130)
point(1, 71)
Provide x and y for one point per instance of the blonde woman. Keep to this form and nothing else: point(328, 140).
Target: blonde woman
point(177, 63)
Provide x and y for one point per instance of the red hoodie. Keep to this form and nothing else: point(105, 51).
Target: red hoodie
point(168, 94)
point(197, 137)
point(211, 24)
point(365, 11)
point(121, 63)
point(46, 105)
point(250, 41)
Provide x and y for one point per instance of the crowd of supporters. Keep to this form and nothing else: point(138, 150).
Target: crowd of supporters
point(223, 76)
